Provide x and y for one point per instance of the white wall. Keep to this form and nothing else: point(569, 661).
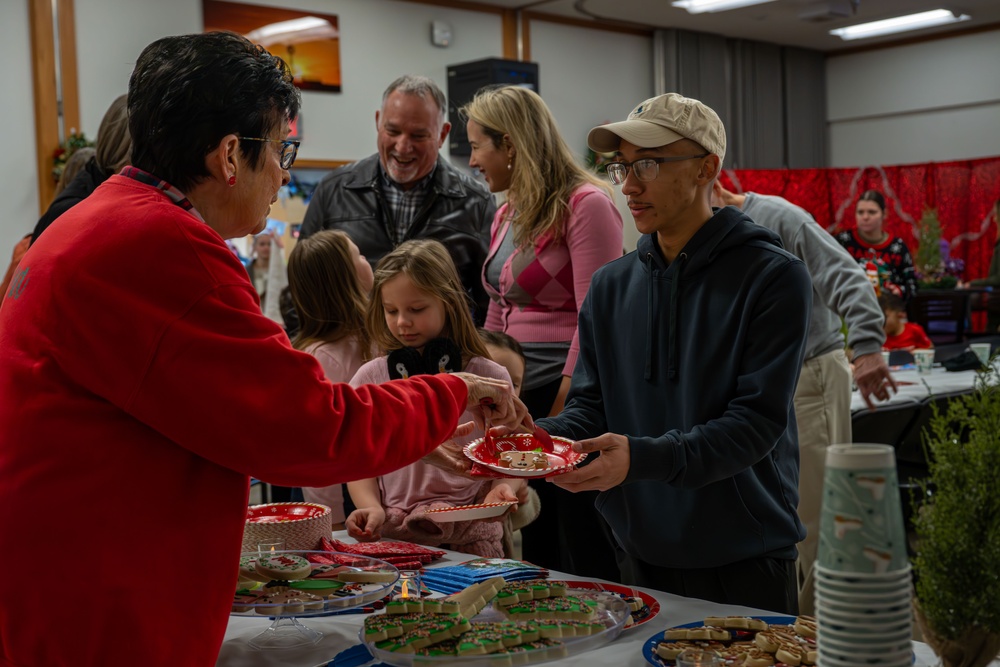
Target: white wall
point(585, 85)
point(18, 180)
point(380, 40)
point(928, 102)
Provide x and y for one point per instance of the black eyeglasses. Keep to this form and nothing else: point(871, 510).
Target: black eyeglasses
point(646, 169)
point(289, 149)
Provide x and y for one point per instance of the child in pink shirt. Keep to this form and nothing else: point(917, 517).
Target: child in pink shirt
point(419, 314)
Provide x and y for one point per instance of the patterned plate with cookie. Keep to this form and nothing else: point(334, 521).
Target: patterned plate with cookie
point(520, 455)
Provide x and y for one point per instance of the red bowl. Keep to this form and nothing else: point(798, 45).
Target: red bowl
point(284, 512)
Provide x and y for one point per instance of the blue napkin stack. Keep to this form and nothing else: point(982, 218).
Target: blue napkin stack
point(454, 578)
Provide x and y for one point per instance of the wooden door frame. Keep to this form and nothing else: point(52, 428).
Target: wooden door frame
point(45, 27)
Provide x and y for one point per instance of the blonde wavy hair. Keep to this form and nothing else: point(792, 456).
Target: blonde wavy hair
point(429, 266)
point(544, 172)
point(326, 291)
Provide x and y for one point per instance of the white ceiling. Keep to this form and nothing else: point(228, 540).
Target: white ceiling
point(778, 22)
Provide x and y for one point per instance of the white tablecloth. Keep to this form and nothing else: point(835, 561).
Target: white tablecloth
point(917, 387)
point(341, 632)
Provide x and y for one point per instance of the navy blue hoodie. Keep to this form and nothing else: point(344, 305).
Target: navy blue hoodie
point(696, 363)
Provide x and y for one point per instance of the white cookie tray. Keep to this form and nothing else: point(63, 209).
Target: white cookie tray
point(611, 610)
point(365, 594)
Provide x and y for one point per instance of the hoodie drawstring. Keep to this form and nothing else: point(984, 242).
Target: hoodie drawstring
point(672, 341)
point(649, 317)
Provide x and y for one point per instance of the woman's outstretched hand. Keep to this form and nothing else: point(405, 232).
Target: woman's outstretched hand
point(491, 402)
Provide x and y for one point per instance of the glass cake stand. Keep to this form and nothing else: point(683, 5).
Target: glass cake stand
point(612, 612)
point(286, 631)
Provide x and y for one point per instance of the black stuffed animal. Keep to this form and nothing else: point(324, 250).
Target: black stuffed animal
point(441, 355)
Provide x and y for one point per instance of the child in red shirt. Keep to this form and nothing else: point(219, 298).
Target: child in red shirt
point(900, 334)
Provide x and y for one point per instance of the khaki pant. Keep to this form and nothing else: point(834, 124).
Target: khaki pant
point(823, 414)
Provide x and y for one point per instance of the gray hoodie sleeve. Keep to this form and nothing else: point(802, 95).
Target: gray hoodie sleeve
point(840, 287)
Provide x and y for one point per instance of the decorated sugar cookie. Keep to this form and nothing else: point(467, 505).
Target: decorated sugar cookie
point(283, 567)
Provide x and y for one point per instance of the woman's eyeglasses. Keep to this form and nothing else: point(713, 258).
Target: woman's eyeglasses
point(646, 169)
point(289, 149)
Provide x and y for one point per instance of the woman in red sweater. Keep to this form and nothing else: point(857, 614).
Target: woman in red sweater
point(132, 351)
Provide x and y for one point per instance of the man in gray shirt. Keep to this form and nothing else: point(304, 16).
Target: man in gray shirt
point(841, 290)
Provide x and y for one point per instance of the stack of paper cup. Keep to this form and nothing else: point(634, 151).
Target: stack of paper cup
point(863, 585)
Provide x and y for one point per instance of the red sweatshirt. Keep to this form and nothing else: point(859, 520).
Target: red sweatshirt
point(912, 337)
point(141, 386)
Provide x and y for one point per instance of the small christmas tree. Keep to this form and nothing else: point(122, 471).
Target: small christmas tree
point(929, 262)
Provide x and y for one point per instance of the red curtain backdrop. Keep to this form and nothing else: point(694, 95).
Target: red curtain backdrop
point(962, 192)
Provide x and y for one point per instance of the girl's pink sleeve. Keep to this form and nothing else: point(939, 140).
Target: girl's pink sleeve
point(594, 238)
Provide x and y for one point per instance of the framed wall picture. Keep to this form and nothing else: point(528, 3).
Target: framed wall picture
point(309, 42)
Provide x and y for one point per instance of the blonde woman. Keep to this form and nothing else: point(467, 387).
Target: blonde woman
point(558, 226)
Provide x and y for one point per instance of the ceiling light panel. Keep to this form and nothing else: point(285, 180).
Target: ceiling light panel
point(919, 21)
point(700, 6)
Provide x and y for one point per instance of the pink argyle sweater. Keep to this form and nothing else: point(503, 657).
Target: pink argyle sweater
point(543, 286)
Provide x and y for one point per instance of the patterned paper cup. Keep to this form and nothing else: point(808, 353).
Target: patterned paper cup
point(906, 573)
point(924, 360)
point(851, 644)
point(879, 597)
point(861, 520)
point(858, 611)
point(860, 626)
point(848, 589)
point(830, 658)
point(865, 617)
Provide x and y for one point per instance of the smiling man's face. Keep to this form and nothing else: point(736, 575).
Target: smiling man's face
point(410, 133)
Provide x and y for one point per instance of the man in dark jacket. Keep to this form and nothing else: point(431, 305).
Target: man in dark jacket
point(407, 191)
point(690, 348)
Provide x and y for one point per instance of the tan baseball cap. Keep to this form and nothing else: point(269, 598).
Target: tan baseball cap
point(660, 121)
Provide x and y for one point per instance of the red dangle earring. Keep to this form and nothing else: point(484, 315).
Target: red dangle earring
point(232, 180)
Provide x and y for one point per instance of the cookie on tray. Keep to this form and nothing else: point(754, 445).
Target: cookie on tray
point(670, 650)
point(373, 576)
point(736, 622)
point(283, 567)
point(702, 632)
point(568, 607)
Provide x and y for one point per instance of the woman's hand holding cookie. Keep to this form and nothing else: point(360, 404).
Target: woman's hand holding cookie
point(492, 400)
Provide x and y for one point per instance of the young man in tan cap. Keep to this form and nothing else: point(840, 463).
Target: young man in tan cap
point(690, 348)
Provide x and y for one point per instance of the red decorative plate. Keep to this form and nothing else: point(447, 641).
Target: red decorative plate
point(520, 448)
point(284, 512)
point(651, 609)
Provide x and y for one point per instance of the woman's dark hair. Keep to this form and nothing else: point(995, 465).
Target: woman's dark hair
point(875, 196)
point(189, 91)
